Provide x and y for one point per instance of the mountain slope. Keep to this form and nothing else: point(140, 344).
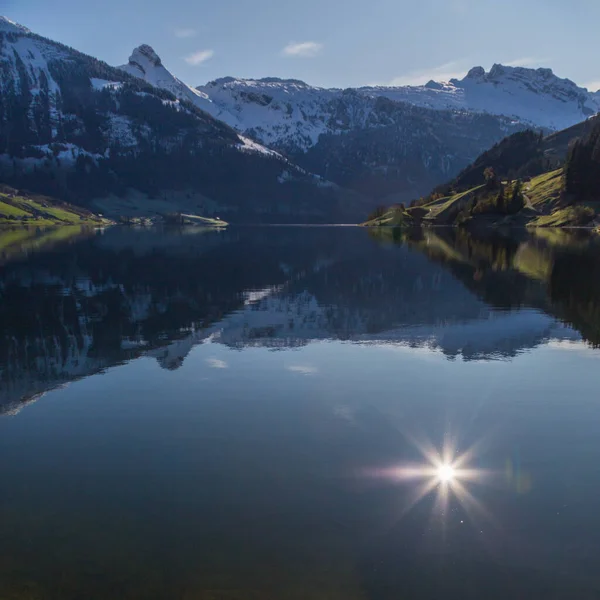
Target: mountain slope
point(393, 143)
point(526, 179)
point(372, 144)
point(523, 154)
point(73, 127)
point(398, 142)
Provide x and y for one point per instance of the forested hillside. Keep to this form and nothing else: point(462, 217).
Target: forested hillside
point(75, 128)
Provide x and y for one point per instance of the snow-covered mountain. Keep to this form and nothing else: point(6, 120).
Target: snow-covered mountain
point(145, 64)
point(364, 141)
point(284, 113)
point(74, 127)
point(534, 96)
point(290, 114)
point(385, 141)
point(266, 149)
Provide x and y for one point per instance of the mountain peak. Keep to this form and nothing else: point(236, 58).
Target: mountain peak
point(476, 73)
point(144, 56)
point(497, 71)
point(8, 26)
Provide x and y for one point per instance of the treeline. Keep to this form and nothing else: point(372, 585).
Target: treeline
point(517, 156)
point(401, 138)
point(496, 199)
point(582, 170)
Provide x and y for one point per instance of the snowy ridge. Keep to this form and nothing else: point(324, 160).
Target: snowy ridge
point(282, 112)
point(536, 96)
point(8, 26)
point(288, 113)
point(279, 112)
point(145, 64)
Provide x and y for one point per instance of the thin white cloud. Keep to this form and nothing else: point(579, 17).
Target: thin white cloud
point(455, 69)
point(302, 369)
point(197, 58)
point(303, 49)
point(526, 61)
point(217, 363)
point(184, 32)
point(450, 70)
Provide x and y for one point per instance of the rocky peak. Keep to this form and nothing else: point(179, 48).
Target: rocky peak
point(476, 73)
point(144, 56)
point(433, 85)
point(497, 71)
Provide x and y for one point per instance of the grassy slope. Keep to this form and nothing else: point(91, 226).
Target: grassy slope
point(436, 209)
point(442, 209)
point(20, 208)
point(395, 217)
point(543, 192)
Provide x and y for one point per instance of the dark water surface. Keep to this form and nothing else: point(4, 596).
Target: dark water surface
point(255, 414)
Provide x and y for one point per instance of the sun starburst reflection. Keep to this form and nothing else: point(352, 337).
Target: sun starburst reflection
point(447, 473)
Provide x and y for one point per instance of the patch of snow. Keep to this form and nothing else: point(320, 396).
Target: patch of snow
point(101, 84)
point(250, 146)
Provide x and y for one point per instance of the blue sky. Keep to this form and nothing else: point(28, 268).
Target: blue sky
point(329, 42)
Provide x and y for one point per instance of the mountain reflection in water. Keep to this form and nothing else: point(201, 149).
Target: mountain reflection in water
point(123, 293)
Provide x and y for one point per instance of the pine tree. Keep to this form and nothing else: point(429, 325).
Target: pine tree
point(516, 202)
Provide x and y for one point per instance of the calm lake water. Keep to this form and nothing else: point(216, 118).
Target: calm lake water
point(259, 413)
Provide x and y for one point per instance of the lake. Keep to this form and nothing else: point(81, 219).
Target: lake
point(299, 412)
